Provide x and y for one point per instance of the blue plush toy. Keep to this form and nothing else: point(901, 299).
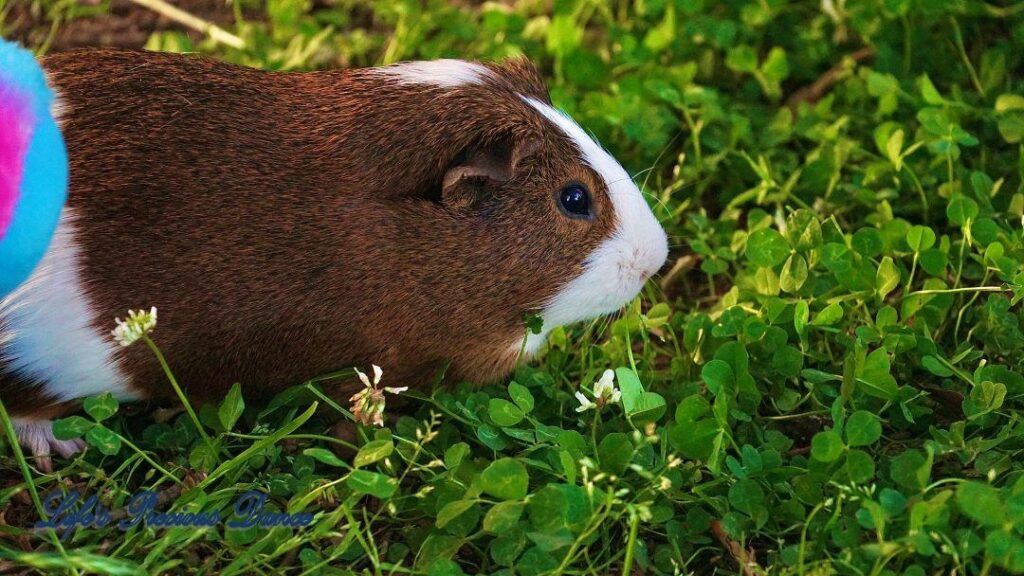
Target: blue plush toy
point(33, 166)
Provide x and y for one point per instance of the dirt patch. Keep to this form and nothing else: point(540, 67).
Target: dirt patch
point(124, 25)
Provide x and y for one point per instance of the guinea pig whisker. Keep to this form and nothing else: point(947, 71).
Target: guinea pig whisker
point(609, 321)
point(606, 324)
point(643, 192)
point(668, 145)
point(659, 290)
point(613, 182)
point(601, 328)
point(645, 170)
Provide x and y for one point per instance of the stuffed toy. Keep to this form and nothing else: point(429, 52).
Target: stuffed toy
point(33, 166)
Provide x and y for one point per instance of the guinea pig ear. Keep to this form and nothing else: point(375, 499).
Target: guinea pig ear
point(481, 169)
point(525, 78)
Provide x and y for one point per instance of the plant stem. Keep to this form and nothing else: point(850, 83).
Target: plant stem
point(215, 32)
point(958, 290)
point(913, 270)
point(22, 463)
point(920, 192)
point(177, 389)
point(629, 351)
point(330, 402)
point(971, 72)
point(148, 459)
point(12, 437)
point(627, 563)
point(354, 526)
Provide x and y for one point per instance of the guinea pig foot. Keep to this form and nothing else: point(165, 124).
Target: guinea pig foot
point(165, 415)
point(37, 436)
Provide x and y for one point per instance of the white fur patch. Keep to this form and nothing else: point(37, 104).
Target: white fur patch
point(616, 270)
point(59, 108)
point(49, 335)
point(534, 341)
point(445, 73)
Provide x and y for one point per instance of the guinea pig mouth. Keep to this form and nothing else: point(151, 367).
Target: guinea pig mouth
point(634, 279)
point(618, 292)
point(631, 271)
point(611, 277)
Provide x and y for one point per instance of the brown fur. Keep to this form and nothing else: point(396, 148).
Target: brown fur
point(289, 224)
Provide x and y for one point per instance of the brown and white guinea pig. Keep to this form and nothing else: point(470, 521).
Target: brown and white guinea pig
point(290, 224)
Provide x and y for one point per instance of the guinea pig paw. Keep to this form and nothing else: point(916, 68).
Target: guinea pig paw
point(68, 448)
point(37, 437)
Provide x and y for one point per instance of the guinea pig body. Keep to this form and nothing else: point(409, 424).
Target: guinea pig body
point(290, 224)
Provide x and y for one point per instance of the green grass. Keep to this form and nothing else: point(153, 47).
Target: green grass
point(828, 381)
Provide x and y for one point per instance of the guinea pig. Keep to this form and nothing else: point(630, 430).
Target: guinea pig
point(290, 224)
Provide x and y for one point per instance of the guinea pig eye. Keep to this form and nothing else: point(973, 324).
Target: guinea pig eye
point(574, 200)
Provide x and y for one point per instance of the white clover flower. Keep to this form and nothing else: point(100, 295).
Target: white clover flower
point(377, 373)
point(138, 324)
point(585, 403)
point(368, 404)
point(605, 391)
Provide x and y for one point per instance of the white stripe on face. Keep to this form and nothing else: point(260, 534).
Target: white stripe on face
point(616, 270)
point(442, 73)
point(49, 335)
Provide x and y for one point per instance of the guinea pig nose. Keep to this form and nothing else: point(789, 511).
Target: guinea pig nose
point(646, 262)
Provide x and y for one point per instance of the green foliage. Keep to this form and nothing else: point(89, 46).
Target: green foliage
point(830, 375)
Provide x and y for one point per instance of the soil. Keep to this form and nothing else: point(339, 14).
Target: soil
point(124, 25)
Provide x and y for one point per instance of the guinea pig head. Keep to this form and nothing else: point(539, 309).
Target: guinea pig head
point(530, 216)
